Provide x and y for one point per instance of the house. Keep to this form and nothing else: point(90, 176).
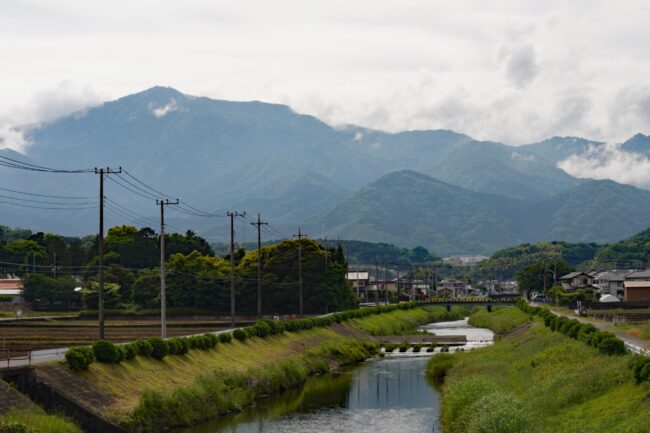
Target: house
point(637, 287)
point(450, 288)
point(576, 280)
point(11, 291)
point(611, 282)
point(360, 282)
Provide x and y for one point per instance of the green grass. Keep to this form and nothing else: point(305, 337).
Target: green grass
point(500, 321)
point(543, 382)
point(405, 322)
point(226, 391)
point(36, 420)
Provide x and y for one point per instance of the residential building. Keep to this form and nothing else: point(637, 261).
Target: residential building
point(11, 291)
point(612, 282)
point(450, 288)
point(576, 280)
point(637, 287)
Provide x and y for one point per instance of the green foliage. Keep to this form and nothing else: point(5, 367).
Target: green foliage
point(50, 293)
point(533, 277)
point(144, 348)
point(130, 350)
point(225, 337)
point(160, 349)
point(438, 366)
point(106, 352)
point(79, 358)
point(34, 420)
point(606, 342)
point(506, 263)
point(240, 334)
point(501, 321)
point(222, 392)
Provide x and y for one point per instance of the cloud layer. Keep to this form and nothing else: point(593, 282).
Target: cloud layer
point(609, 161)
point(504, 70)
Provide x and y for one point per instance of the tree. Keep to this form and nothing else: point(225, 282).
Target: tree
point(534, 277)
point(48, 293)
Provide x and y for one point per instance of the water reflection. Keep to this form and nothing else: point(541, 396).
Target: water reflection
point(386, 395)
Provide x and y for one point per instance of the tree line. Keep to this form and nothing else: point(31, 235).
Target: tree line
point(61, 273)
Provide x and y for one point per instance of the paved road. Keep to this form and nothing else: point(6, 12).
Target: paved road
point(635, 345)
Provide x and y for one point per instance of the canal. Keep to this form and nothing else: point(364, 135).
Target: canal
point(390, 394)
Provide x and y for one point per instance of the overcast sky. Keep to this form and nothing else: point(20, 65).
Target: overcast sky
point(511, 71)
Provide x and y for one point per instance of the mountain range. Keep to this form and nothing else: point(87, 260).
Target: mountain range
point(440, 189)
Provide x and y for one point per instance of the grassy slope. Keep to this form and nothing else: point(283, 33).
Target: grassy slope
point(402, 322)
point(500, 321)
point(555, 384)
point(34, 418)
point(128, 380)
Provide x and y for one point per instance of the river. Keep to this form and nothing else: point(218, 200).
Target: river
point(388, 394)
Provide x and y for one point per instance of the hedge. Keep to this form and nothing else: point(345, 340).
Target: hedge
point(606, 342)
point(104, 351)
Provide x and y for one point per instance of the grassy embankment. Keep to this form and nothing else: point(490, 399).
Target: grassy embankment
point(404, 322)
point(151, 395)
point(501, 321)
point(539, 381)
point(35, 420)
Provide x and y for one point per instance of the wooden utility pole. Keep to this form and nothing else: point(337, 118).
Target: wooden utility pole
point(232, 216)
point(163, 273)
point(300, 235)
point(100, 246)
point(385, 280)
point(376, 283)
point(398, 282)
point(259, 223)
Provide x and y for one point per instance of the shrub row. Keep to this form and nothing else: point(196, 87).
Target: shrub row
point(79, 358)
point(640, 366)
point(472, 300)
point(606, 342)
point(106, 352)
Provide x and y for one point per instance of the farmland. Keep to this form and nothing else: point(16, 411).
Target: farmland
point(18, 337)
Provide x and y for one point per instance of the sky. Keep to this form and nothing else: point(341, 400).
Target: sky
point(510, 71)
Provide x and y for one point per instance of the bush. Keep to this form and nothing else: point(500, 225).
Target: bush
point(637, 365)
point(240, 334)
point(612, 346)
point(261, 329)
point(439, 365)
point(160, 349)
point(172, 346)
point(144, 348)
point(499, 412)
point(225, 337)
point(76, 359)
point(211, 340)
point(130, 350)
point(106, 352)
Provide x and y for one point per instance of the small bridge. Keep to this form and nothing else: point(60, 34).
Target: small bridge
point(433, 340)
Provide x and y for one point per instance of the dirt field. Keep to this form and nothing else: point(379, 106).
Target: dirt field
point(25, 335)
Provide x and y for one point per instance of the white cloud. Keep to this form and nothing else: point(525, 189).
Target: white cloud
point(609, 161)
point(43, 106)
point(509, 70)
point(162, 111)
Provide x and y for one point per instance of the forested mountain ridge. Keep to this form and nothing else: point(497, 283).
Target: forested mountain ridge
point(296, 170)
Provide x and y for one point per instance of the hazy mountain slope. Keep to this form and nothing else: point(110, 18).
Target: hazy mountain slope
point(639, 144)
point(409, 208)
point(556, 149)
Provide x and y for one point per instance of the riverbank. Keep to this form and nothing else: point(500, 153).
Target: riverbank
point(146, 394)
point(534, 380)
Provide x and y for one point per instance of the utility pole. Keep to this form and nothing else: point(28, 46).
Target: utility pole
point(385, 280)
point(300, 235)
point(398, 282)
point(54, 268)
point(232, 216)
point(259, 223)
point(163, 273)
point(376, 283)
point(100, 245)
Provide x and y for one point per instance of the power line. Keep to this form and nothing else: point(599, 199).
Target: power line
point(44, 207)
point(41, 201)
point(14, 163)
point(48, 195)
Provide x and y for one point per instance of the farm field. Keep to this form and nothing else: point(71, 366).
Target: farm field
point(18, 337)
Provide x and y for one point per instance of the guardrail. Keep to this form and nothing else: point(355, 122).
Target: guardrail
point(8, 362)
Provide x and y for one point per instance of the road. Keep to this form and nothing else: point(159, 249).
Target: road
point(634, 345)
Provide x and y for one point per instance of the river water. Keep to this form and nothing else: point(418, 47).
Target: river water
point(390, 394)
